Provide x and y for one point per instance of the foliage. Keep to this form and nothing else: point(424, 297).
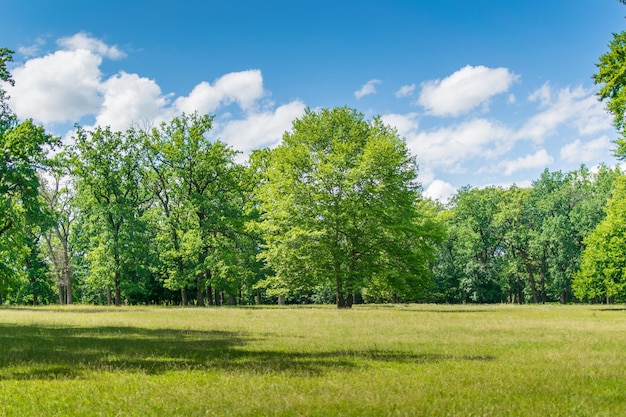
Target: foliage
point(602, 276)
point(334, 213)
point(24, 151)
point(340, 208)
point(520, 244)
point(7, 118)
point(112, 204)
point(612, 77)
point(200, 195)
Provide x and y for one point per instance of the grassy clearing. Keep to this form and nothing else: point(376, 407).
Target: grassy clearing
point(370, 361)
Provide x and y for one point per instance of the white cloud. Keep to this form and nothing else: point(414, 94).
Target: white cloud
point(82, 41)
point(259, 129)
point(577, 107)
point(464, 90)
point(539, 159)
point(440, 190)
point(130, 100)
point(447, 147)
point(67, 85)
point(583, 152)
point(244, 87)
point(405, 91)
point(543, 94)
point(59, 87)
point(367, 89)
point(406, 124)
point(32, 50)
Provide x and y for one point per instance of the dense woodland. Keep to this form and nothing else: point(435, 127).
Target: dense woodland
point(335, 214)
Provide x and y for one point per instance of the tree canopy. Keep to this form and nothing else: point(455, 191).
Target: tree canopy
point(341, 208)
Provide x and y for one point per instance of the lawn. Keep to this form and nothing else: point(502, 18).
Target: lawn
point(403, 360)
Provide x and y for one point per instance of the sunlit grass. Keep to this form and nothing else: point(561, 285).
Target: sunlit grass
point(369, 361)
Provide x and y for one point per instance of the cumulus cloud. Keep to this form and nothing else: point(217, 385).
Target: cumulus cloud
point(67, 85)
point(367, 89)
point(59, 87)
point(260, 129)
point(244, 88)
point(405, 91)
point(464, 90)
point(583, 152)
point(578, 107)
point(539, 159)
point(83, 41)
point(405, 124)
point(130, 99)
point(447, 147)
point(440, 190)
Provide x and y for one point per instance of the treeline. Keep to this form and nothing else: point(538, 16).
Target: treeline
point(335, 214)
point(522, 245)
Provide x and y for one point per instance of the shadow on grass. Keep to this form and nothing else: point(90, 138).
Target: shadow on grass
point(39, 352)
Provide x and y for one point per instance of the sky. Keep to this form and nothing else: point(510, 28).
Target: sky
point(484, 93)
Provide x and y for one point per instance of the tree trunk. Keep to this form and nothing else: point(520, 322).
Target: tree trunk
point(209, 294)
point(68, 292)
point(232, 301)
point(118, 291)
point(218, 299)
point(183, 296)
point(200, 290)
point(281, 300)
point(257, 298)
point(66, 273)
point(531, 281)
point(341, 302)
point(109, 297)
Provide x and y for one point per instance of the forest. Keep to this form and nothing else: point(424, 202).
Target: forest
point(334, 214)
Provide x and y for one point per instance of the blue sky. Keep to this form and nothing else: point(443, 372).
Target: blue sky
point(487, 92)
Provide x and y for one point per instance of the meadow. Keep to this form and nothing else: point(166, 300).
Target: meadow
point(400, 360)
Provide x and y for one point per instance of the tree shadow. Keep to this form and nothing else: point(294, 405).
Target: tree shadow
point(30, 352)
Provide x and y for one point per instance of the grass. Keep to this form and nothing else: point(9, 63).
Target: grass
point(371, 361)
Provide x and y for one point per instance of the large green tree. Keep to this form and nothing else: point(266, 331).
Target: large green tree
point(198, 187)
point(602, 275)
point(341, 209)
point(24, 151)
point(112, 203)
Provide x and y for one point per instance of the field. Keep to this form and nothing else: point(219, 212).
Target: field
point(417, 360)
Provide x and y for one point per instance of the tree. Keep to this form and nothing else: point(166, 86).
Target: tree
point(198, 188)
point(24, 152)
point(602, 275)
point(112, 203)
point(612, 76)
point(59, 195)
point(23, 218)
point(341, 208)
point(7, 118)
point(473, 252)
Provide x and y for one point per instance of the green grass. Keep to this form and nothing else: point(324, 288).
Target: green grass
point(369, 361)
